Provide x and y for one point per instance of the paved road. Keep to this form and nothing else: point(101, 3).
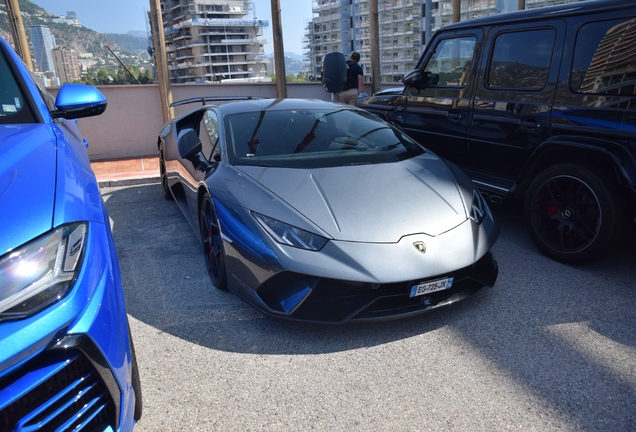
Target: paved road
point(550, 347)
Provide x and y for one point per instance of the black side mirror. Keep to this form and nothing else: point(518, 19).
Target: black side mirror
point(189, 145)
point(334, 72)
point(418, 80)
point(412, 79)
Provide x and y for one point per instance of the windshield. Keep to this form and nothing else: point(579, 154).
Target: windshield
point(314, 138)
point(13, 106)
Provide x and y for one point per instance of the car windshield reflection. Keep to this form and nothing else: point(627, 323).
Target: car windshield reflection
point(314, 139)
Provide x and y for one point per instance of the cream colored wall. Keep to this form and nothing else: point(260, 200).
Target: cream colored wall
point(133, 118)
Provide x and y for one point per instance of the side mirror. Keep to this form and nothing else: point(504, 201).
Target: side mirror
point(78, 100)
point(190, 146)
point(334, 72)
point(418, 80)
point(412, 79)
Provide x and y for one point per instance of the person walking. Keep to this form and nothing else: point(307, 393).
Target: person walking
point(355, 80)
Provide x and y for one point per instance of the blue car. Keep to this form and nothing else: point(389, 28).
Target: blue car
point(67, 360)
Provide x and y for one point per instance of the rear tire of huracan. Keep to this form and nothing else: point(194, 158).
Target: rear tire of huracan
point(165, 190)
point(213, 251)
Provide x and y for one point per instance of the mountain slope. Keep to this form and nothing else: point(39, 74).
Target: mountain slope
point(80, 39)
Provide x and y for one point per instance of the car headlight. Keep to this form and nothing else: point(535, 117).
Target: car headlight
point(290, 235)
point(479, 207)
point(41, 272)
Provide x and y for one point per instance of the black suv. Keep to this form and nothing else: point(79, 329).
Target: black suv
point(539, 105)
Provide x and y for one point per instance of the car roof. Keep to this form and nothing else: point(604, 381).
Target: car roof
point(545, 13)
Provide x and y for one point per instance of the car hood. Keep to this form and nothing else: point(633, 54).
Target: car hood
point(370, 203)
point(27, 183)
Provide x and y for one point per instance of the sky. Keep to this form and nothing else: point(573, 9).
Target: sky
point(121, 16)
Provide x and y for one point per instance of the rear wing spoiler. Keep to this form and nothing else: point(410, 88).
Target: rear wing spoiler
point(202, 100)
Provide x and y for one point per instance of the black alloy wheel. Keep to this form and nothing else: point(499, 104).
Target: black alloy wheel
point(574, 214)
point(165, 190)
point(213, 251)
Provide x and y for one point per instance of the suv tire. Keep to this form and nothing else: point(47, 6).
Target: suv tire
point(573, 213)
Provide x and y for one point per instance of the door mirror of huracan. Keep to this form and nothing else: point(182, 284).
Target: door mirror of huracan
point(190, 149)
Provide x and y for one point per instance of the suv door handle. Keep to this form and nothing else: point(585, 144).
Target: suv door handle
point(454, 115)
point(534, 127)
point(531, 124)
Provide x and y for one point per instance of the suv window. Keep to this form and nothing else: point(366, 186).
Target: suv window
point(451, 61)
point(521, 60)
point(13, 106)
point(604, 60)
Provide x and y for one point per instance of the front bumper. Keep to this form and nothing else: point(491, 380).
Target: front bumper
point(338, 301)
point(70, 364)
point(356, 281)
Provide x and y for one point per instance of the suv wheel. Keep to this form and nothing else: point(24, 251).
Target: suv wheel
point(573, 213)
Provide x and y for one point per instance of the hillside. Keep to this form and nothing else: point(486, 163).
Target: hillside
point(293, 62)
point(128, 43)
point(80, 39)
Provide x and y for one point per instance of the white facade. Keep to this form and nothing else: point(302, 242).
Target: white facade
point(344, 26)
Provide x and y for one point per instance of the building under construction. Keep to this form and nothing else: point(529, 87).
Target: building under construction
point(213, 41)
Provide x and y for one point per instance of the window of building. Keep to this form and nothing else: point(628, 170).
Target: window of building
point(604, 60)
point(521, 60)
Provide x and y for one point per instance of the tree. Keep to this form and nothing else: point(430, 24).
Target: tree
point(302, 77)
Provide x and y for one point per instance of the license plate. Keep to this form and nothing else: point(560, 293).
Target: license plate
point(432, 286)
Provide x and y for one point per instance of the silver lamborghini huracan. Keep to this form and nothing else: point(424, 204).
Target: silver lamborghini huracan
point(317, 211)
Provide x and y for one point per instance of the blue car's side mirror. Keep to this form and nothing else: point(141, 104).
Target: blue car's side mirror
point(77, 101)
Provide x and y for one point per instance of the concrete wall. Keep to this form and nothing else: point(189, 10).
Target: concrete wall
point(133, 119)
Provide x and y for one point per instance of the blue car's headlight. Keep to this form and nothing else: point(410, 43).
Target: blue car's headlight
point(40, 272)
point(479, 207)
point(290, 235)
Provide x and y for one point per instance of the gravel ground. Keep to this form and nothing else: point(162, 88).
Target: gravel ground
point(549, 347)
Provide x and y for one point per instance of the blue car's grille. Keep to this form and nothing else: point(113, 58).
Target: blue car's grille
point(57, 391)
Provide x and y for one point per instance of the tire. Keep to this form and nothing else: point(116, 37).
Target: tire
point(213, 251)
point(574, 214)
point(165, 190)
point(135, 379)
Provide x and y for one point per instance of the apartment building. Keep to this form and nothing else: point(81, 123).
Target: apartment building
point(67, 66)
point(344, 26)
point(213, 41)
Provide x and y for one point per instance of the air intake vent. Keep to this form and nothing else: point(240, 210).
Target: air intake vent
point(56, 391)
